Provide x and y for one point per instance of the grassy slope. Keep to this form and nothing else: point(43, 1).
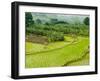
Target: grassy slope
point(57, 57)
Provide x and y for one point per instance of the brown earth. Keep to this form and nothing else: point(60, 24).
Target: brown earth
point(37, 39)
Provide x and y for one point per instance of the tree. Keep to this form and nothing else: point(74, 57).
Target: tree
point(28, 19)
point(86, 21)
point(62, 22)
point(54, 21)
point(47, 23)
point(38, 21)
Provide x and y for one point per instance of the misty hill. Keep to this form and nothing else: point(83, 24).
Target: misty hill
point(68, 18)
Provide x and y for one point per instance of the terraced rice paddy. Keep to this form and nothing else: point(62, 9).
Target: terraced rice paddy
point(71, 52)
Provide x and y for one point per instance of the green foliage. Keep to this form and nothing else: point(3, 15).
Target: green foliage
point(54, 21)
point(86, 21)
point(62, 22)
point(55, 36)
point(28, 19)
point(56, 32)
point(38, 21)
point(55, 29)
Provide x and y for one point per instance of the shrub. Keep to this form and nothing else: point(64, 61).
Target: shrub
point(28, 19)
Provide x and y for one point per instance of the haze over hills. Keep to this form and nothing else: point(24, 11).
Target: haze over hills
point(70, 18)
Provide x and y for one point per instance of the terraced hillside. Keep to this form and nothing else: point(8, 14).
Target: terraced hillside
point(56, 39)
point(65, 53)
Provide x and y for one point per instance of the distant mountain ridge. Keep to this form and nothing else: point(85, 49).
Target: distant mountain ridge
point(46, 17)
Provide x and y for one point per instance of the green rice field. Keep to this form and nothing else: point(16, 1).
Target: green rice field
point(58, 53)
